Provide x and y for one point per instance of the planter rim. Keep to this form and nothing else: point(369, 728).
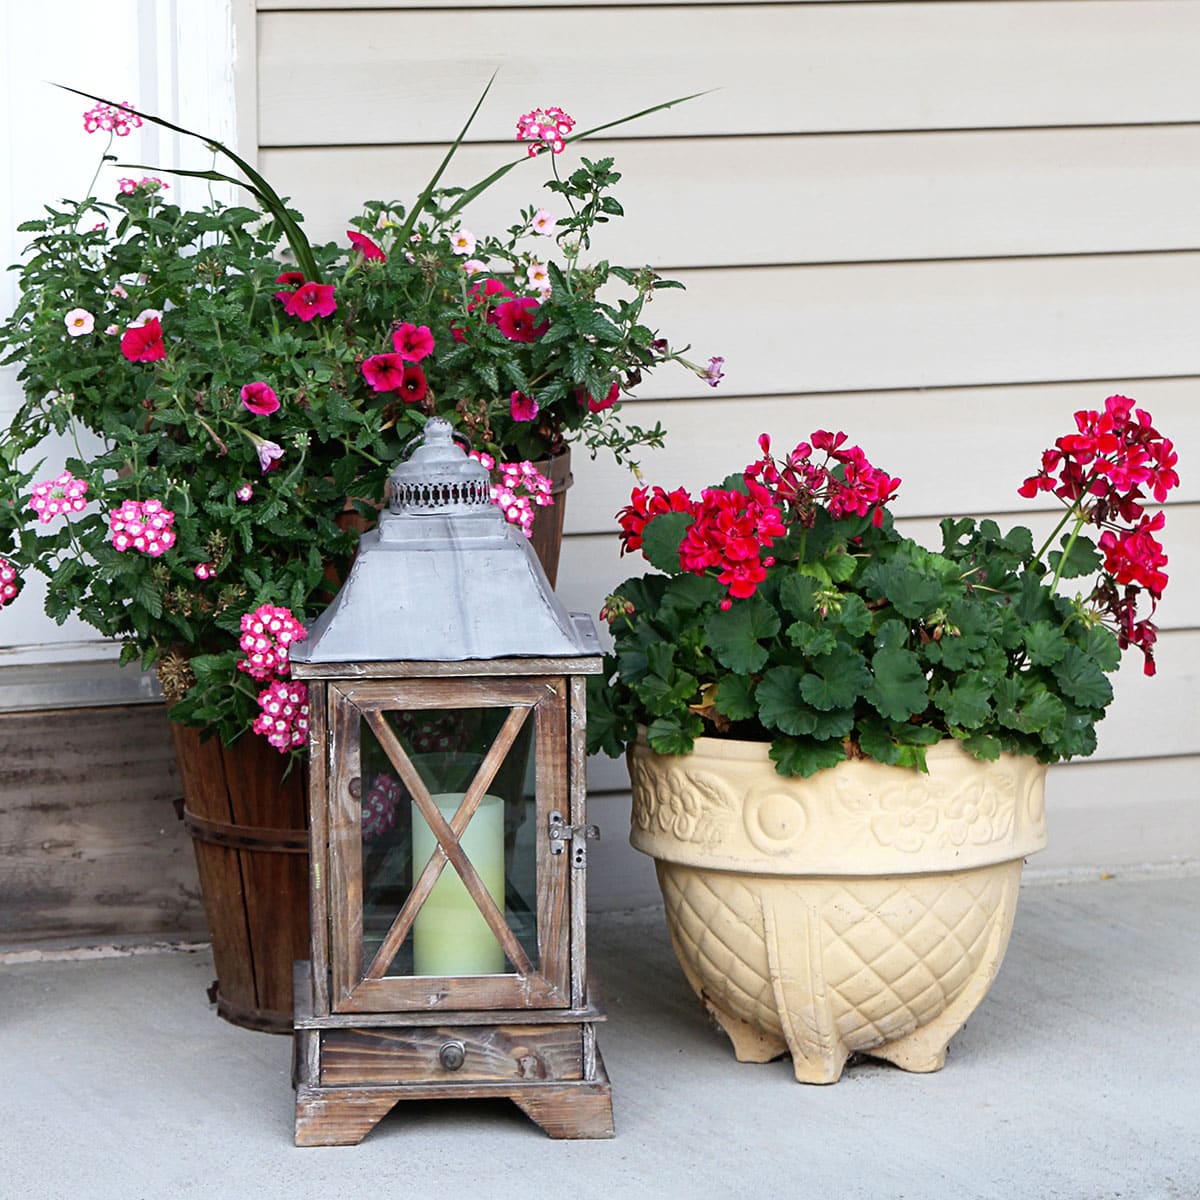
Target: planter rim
point(724, 807)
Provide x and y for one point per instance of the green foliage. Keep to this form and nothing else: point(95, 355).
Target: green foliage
point(863, 643)
point(175, 429)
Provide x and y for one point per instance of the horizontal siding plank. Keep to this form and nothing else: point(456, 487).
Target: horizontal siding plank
point(814, 68)
point(937, 324)
point(592, 566)
point(859, 198)
point(1148, 719)
point(417, 5)
point(920, 437)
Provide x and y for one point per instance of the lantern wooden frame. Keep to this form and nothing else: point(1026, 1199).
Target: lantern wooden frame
point(365, 1041)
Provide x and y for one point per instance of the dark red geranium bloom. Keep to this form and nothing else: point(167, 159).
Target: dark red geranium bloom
point(309, 300)
point(365, 246)
point(384, 372)
point(517, 320)
point(144, 343)
point(644, 505)
point(413, 386)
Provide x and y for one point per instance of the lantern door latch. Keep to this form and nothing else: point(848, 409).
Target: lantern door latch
point(577, 835)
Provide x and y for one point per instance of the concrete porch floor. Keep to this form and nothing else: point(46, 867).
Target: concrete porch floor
point(1075, 1080)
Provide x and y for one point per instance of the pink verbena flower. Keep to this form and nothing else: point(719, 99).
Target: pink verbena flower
point(111, 118)
point(9, 582)
point(205, 570)
point(260, 398)
point(379, 806)
point(367, 248)
point(267, 633)
point(142, 525)
point(284, 717)
point(520, 488)
point(412, 342)
point(245, 493)
point(58, 496)
point(545, 128)
point(127, 186)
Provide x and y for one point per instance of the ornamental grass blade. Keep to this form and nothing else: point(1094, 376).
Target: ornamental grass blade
point(261, 188)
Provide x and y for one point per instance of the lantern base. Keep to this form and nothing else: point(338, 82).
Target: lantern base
point(349, 1075)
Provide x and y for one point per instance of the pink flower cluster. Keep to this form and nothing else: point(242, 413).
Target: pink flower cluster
point(1103, 472)
point(379, 806)
point(732, 529)
point(118, 119)
point(267, 634)
point(58, 496)
point(147, 183)
point(521, 486)
point(284, 717)
point(845, 482)
point(729, 535)
point(142, 525)
point(545, 128)
point(8, 582)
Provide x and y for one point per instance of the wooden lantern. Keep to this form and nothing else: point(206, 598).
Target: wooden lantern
point(448, 826)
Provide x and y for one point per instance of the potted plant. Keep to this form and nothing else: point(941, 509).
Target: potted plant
point(231, 399)
point(837, 737)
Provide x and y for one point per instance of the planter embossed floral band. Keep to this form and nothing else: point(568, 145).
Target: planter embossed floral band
point(227, 408)
point(860, 895)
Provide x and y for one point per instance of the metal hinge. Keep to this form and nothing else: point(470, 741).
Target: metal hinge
point(577, 835)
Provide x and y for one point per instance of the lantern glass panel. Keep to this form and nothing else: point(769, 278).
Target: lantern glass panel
point(449, 934)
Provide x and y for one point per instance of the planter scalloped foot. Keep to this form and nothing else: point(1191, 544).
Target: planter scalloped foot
point(865, 910)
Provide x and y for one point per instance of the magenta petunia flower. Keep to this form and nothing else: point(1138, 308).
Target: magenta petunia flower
point(413, 386)
point(309, 300)
point(367, 248)
point(517, 320)
point(413, 342)
point(523, 408)
point(384, 372)
point(260, 398)
point(144, 343)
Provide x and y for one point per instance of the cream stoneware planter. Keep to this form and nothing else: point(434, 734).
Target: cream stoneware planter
point(865, 909)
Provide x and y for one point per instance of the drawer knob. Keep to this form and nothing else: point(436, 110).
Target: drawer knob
point(452, 1055)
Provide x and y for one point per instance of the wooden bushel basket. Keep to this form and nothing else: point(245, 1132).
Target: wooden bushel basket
point(248, 828)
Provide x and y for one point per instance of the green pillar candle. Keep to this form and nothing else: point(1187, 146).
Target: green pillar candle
point(450, 935)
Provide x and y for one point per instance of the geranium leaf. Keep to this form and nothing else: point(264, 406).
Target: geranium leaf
point(796, 595)
point(1045, 644)
point(733, 634)
point(811, 640)
point(968, 702)
point(735, 697)
point(661, 538)
point(800, 756)
point(1080, 677)
point(1101, 645)
point(899, 689)
point(675, 734)
point(1082, 559)
point(838, 679)
point(855, 617)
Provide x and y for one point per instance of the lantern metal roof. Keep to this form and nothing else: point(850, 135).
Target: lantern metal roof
point(444, 577)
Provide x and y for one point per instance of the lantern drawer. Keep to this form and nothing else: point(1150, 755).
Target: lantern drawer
point(451, 1054)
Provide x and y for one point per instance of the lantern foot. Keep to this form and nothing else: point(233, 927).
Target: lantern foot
point(571, 1110)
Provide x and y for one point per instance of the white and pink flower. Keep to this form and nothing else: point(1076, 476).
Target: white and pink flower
point(79, 321)
point(144, 526)
point(284, 717)
point(267, 634)
point(60, 496)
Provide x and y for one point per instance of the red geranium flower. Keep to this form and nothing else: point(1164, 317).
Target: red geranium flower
point(413, 342)
point(365, 246)
point(516, 320)
point(384, 372)
point(309, 300)
point(413, 386)
point(144, 343)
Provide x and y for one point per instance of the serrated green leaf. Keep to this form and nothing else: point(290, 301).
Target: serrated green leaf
point(811, 640)
point(1080, 677)
point(675, 734)
point(1083, 558)
point(1102, 646)
point(796, 594)
point(840, 565)
point(837, 679)
point(877, 742)
point(779, 702)
point(803, 757)
point(899, 689)
point(855, 617)
point(661, 538)
point(734, 634)
point(968, 702)
point(891, 635)
point(1045, 644)
point(735, 697)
